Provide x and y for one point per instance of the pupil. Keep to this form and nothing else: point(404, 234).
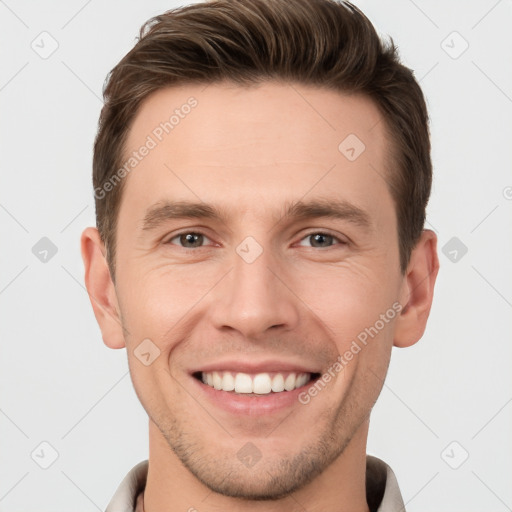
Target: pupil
point(320, 239)
point(193, 239)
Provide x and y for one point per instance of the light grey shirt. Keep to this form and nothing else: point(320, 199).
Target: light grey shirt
point(382, 492)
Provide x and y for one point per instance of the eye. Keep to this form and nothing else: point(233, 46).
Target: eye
point(321, 240)
point(189, 240)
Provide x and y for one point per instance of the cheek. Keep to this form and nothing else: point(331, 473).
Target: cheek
point(159, 301)
point(349, 300)
point(163, 305)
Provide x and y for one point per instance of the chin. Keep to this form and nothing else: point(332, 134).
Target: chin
point(249, 474)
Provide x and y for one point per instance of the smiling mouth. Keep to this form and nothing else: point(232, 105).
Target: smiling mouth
point(255, 384)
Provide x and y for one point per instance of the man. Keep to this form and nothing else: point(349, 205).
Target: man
point(261, 173)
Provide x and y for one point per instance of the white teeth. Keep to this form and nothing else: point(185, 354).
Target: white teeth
point(278, 383)
point(302, 378)
point(289, 383)
point(243, 383)
point(217, 380)
point(260, 384)
point(228, 382)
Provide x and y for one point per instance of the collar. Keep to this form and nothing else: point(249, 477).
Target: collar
point(382, 491)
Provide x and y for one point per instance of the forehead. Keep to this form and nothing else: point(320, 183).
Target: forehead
point(255, 147)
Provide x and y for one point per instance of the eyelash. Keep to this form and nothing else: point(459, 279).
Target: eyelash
point(325, 233)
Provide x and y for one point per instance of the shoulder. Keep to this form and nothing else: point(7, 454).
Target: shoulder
point(133, 483)
point(382, 491)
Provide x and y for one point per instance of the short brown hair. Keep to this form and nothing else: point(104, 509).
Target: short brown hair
point(321, 43)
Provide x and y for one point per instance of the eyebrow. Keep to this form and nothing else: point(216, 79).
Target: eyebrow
point(163, 211)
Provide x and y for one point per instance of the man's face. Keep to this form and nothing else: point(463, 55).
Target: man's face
point(269, 288)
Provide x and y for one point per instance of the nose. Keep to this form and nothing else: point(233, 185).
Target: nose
point(255, 298)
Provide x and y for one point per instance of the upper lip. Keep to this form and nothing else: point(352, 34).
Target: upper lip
point(269, 365)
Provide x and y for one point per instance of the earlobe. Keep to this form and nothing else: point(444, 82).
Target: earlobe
point(101, 289)
point(417, 291)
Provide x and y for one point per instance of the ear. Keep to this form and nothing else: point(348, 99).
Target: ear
point(417, 291)
point(101, 289)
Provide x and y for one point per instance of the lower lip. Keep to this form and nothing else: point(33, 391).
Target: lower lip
point(252, 405)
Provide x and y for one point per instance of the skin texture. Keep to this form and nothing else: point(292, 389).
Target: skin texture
point(252, 151)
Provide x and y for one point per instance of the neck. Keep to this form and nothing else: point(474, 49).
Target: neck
point(170, 486)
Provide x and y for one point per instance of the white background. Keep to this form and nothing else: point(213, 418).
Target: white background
point(60, 384)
